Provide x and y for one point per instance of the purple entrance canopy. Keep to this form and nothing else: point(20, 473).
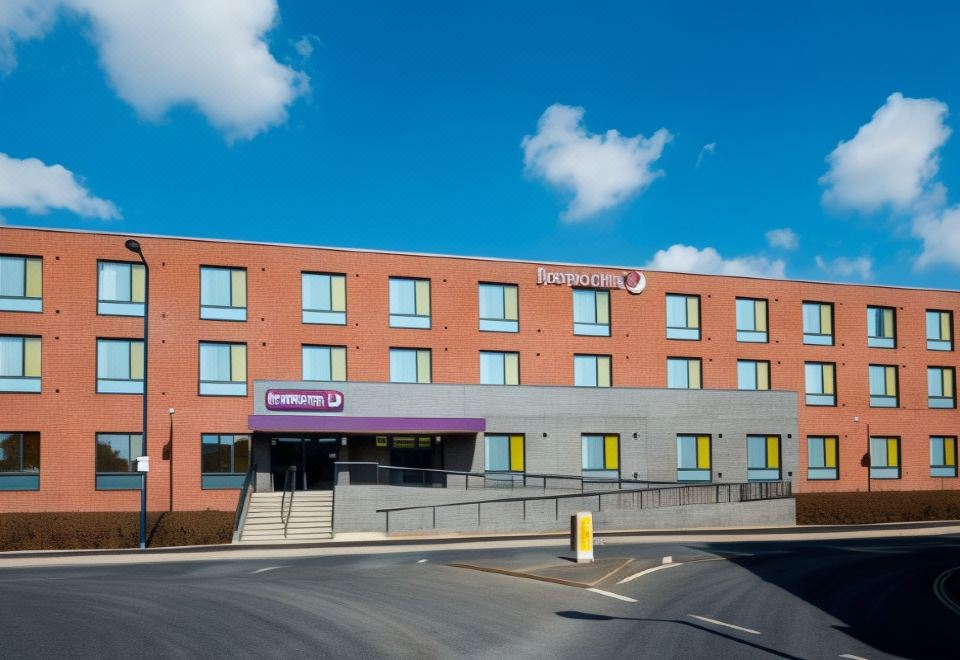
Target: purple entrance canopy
point(341, 424)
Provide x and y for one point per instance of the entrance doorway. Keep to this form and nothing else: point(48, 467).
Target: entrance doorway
point(313, 457)
point(417, 454)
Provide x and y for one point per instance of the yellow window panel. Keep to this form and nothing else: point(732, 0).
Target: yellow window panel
point(693, 374)
point(136, 360)
point(603, 307)
point(516, 453)
point(381, 441)
point(338, 293)
point(511, 369)
point(893, 455)
point(948, 382)
point(603, 371)
point(773, 451)
point(946, 332)
point(422, 297)
point(138, 283)
point(423, 442)
point(830, 452)
point(510, 311)
point(238, 288)
point(760, 315)
point(763, 375)
point(611, 452)
point(34, 275)
point(827, 378)
point(338, 364)
point(31, 357)
point(826, 320)
point(238, 363)
point(890, 380)
point(950, 451)
point(423, 366)
point(888, 322)
point(703, 452)
point(693, 312)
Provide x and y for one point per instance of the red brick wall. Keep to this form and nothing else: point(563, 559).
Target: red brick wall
point(68, 413)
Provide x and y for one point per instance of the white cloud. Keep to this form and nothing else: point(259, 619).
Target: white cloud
point(784, 238)
point(940, 233)
point(688, 259)
point(32, 185)
point(210, 54)
point(844, 267)
point(891, 158)
point(305, 45)
point(707, 150)
point(602, 171)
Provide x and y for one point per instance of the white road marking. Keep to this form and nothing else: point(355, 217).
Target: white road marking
point(612, 595)
point(941, 593)
point(264, 570)
point(850, 656)
point(647, 572)
point(422, 561)
point(726, 625)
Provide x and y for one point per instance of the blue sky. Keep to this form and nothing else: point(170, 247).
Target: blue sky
point(401, 126)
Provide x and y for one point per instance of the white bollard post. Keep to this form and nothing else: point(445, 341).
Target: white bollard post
point(581, 536)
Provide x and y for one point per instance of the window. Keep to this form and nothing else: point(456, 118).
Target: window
point(120, 366)
point(121, 288)
point(884, 458)
point(763, 457)
point(504, 453)
point(19, 364)
point(117, 461)
point(818, 323)
point(883, 386)
point(499, 311)
point(323, 298)
point(223, 293)
point(20, 461)
point(499, 368)
point(939, 330)
point(21, 284)
point(693, 458)
point(223, 369)
point(601, 455)
point(224, 460)
point(753, 375)
point(325, 363)
point(591, 370)
point(822, 457)
point(880, 327)
point(409, 303)
point(752, 320)
point(684, 373)
point(591, 312)
point(683, 317)
point(940, 387)
point(410, 365)
point(820, 383)
point(943, 456)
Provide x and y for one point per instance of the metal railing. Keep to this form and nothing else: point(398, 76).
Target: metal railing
point(248, 486)
point(635, 499)
point(286, 506)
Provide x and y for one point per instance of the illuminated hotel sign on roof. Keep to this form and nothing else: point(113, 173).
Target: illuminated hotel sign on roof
point(634, 281)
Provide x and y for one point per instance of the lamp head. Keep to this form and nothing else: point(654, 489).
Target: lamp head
point(133, 246)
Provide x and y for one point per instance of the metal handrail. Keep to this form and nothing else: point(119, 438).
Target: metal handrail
point(244, 498)
point(289, 484)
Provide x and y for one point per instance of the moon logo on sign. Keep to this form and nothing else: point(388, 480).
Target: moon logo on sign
point(635, 282)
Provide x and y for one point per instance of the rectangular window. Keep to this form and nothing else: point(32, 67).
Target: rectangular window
point(884, 458)
point(120, 366)
point(409, 303)
point(410, 365)
point(752, 320)
point(753, 375)
point(591, 370)
point(504, 452)
point(600, 455)
point(224, 460)
point(223, 293)
point(941, 392)
point(821, 383)
point(822, 457)
point(591, 312)
point(323, 298)
point(223, 369)
point(763, 457)
point(19, 461)
point(939, 330)
point(19, 364)
point(884, 390)
point(121, 288)
point(499, 310)
point(21, 284)
point(117, 461)
point(818, 323)
point(499, 368)
point(693, 458)
point(683, 317)
point(881, 331)
point(325, 363)
point(684, 374)
point(943, 456)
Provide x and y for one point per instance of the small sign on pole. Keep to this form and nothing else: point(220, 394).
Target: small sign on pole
point(581, 536)
point(143, 463)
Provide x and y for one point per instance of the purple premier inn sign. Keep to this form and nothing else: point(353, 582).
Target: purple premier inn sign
point(305, 400)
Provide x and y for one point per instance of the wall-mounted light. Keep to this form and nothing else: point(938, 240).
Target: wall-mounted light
point(636, 435)
point(544, 434)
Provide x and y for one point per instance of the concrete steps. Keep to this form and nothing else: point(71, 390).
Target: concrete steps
point(311, 518)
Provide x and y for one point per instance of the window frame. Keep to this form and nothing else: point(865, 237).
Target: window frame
point(884, 400)
point(807, 394)
point(100, 382)
point(416, 357)
point(686, 332)
point(695, 474)
point(22, 479)
point(495, 324)
point(229, 312)
point(410, 321)
point(816, 338)
point(824, 472)
point(113, 480)
point(214, 385)
point(882, 341)
point(225, 480)
point(939, 344)
point(23, 383)
point(950, 400)
point(688, 360)
point(511, 470)
point(752, 335)
point(886, 471)
point(317, 316)
point(756, 379)
point(605, 473)
point(596, 369)
point(107, 307)
point(947, 468)
point(503, 362)
point(768, 472)
point(24, 303)
point(330, 348)
point(592, 328)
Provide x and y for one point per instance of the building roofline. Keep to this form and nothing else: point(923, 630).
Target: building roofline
point(468, 257)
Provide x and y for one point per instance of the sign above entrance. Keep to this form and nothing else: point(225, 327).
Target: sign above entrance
point(305, 400)
point(633, 281)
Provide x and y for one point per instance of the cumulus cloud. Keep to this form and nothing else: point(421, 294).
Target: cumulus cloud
point(688, 259)
point(845, 267)
point(940, 233)
point(891, 159)
point(211, 54)
point(601, 170)
point(785, 238)
point(32, 185)
point(707, 150)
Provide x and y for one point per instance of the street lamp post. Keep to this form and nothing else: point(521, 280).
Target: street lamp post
point(134, 246)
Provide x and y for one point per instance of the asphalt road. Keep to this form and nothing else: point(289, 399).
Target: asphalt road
point(876, 598)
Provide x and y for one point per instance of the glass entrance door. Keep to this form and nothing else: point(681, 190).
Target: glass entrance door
point(313, 458)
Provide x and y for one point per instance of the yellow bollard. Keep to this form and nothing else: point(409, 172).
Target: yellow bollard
point(581, 536)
